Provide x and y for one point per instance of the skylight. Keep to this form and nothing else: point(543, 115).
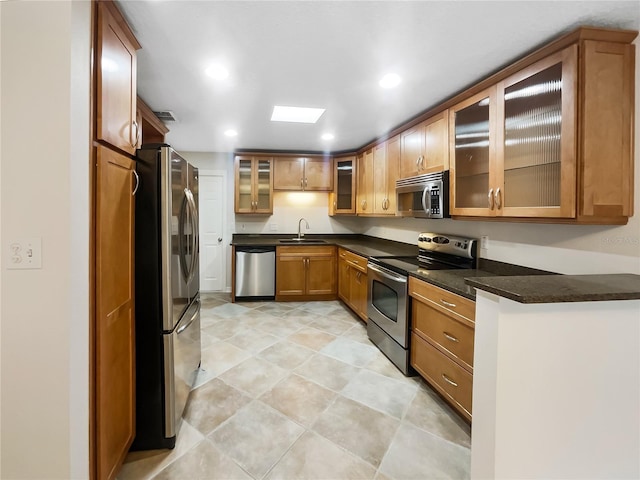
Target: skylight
point(296, 114)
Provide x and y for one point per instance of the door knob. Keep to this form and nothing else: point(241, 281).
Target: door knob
point(219, 239)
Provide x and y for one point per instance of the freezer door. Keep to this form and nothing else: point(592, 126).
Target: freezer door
point(182, 359)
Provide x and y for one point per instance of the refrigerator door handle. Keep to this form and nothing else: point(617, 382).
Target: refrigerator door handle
point(194, 233)
point(181, 236)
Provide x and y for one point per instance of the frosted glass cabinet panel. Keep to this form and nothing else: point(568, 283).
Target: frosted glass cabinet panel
point(254, 185)
point(538, 151)
point(513, 147)
point(472, 151)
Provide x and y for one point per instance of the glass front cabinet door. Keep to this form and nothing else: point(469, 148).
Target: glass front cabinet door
point(254, 185)
point(513, 146)
point(343, 198)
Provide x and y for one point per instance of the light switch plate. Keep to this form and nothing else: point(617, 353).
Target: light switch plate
point(24, 253)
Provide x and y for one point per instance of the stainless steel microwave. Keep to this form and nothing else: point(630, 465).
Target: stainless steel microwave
point(423, 196)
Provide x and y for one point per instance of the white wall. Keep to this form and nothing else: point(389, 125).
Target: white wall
point(45, 53)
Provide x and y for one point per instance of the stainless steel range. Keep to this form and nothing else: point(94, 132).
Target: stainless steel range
point(388, 297)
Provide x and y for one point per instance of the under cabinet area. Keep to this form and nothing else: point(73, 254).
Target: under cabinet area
point(352, 281)
point(442, 342)
point(306, 273)
point(303, 173)
point(253, 184)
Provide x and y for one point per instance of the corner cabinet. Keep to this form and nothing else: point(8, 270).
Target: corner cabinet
point(306, 273)
point(342, 201)
point(253, 185)
point(551, 141)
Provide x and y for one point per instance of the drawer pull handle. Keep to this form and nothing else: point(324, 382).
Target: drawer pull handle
point(451, 337)
point(444, 302)
point(449, 381)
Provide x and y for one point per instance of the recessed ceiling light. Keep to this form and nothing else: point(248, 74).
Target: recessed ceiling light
point(231, 133)
point(217, 72)
point(390, 80)
point(296, 114)
point(327, 136)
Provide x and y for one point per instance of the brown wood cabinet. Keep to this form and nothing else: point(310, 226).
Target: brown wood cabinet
point(424, 148)
point(306, 273)
point(364, 189)
point(442, 342)
point(352, 281)
point(116, 113)
point(116, 127)
point(253, 185)
point(385, 173)
point(303, 173)
point(550, 141)
point(342, 200)
point(152, 128)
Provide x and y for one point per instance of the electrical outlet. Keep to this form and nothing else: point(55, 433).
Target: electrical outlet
point(24, 253)
point(484, 242)
point(273, 227)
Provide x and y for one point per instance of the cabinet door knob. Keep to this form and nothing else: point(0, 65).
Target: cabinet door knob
point(137, 182)
point(490, 199)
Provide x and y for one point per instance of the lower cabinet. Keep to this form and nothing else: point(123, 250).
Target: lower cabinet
point(306, 273)
point(352, 281)
point(442, 340)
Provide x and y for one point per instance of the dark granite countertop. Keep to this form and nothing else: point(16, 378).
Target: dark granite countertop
point(359, 244)
point(561, 288)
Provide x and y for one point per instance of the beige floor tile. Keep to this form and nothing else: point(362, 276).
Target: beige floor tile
point(286, 354)
point(350, 351)
point(225, 328)
point(145, 464)
point(358, 333)
point(430, 413)
point(256, 437)
point(299, 399)
point(315, 458)
point(382, 365)
point(280, 326)
point(416, 454)
point(360, 429)
point(382, 393)
point(203, 462)
point(217, 359)
point(277, 309)
point(334, 326)
point(254, 376)
point(311, 338)
point(327, 371)
point(212, 404)
point(229, 310)
point(323, 308)
point(252, 340)
point(302, 316)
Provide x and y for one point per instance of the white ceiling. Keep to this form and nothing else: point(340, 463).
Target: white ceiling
point(331, 54)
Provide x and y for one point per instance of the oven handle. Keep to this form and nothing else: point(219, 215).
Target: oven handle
point(387, 273)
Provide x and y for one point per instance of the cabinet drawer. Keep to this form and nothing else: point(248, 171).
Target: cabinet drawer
point(447, 302)
point(451, 335)
point(451, 380)
point(306, 251)
point(356, 261)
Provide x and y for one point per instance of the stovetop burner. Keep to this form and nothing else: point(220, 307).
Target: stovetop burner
point(436, 252)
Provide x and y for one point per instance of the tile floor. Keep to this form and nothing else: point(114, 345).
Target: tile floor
point(297, 391)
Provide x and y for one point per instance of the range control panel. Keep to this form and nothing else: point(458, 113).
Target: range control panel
point(435, 242)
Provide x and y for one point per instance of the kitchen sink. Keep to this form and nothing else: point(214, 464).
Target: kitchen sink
point(297, 241)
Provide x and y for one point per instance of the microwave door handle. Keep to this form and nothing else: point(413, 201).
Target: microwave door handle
point(426, 199)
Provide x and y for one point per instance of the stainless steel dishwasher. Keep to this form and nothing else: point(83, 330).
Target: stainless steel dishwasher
point(255, 273)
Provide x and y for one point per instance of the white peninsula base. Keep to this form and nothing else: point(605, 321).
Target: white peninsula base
point(556, 390)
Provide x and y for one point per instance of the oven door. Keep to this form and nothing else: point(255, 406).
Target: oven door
point(387, 302)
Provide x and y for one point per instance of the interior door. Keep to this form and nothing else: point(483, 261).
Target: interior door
point(212, 256)
point(114, 329)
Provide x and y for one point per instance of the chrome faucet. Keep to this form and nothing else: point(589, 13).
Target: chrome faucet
point(300, 234)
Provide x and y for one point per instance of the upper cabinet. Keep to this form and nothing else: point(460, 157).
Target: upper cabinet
point(303, 173)
point(253, 184)
point(424, 148)
point(377, 175)
point(342, 201)
point(551, 141)
point(153, 129)
point(365, 200)
point(117, 117)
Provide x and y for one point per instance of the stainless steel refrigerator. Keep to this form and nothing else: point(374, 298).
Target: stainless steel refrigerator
point(167, 293)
